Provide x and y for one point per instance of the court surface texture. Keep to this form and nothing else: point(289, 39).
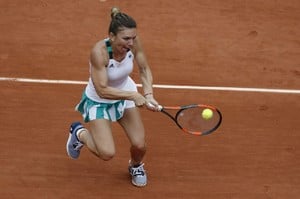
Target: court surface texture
point(242, 56)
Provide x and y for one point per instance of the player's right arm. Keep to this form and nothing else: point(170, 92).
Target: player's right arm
point(99, 60)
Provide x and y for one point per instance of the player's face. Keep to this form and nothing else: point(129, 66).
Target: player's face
point(124, 39)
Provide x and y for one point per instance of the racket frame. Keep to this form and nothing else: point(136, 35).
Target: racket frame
point(179, 109)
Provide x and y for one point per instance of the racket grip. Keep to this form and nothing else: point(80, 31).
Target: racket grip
point(152, 106)
point(160, 107)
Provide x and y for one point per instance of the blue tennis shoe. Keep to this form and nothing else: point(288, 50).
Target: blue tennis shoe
point(73, 144)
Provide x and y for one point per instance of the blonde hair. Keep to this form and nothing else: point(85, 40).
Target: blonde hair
point(114, 11)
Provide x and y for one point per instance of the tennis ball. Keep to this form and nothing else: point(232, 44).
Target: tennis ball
point(207, 114)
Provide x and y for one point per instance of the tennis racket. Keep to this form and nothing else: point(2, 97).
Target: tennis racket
point(189, 118)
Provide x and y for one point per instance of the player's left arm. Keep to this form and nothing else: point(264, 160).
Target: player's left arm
point(144, 71)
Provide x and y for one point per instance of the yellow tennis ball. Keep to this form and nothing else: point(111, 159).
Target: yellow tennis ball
point(207, 114)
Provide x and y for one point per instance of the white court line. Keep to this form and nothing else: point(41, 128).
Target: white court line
point(237, 89)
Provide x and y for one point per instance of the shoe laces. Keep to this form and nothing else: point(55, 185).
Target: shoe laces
point(137, 171)
point(77, 145)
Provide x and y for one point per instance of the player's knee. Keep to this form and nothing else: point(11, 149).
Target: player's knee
point(138, 142)
point(106, 154)
point(106, 157)
point(139, 146)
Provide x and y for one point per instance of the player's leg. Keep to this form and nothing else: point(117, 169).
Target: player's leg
point(133, 126)
point(98, 139)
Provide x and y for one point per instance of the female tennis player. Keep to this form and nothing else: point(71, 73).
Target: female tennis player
point(112, 96)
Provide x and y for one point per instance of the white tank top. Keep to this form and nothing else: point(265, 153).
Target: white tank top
point(118, 77)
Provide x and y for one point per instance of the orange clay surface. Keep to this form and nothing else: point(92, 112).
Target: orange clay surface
point(243, 43)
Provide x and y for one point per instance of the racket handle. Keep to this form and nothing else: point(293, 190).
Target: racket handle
point(152, 106)
point(160, 107)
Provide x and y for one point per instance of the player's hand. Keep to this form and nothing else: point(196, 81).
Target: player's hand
point(152, 104)
point(139, 99)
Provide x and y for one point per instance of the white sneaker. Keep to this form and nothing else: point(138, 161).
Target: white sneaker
point(138, 175)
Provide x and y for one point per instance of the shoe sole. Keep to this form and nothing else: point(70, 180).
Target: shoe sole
point(138, 185)
point(69, 140)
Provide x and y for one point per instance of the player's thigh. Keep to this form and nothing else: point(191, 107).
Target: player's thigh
point(101, 132)
point(133, 126)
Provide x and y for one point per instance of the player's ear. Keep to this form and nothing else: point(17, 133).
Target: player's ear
point(112, 36)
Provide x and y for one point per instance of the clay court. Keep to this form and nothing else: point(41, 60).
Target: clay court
point(226, 45)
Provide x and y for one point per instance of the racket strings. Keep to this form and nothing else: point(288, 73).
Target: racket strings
point(191, 120)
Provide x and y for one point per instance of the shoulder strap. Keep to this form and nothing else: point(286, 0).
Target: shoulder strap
point(109, 49)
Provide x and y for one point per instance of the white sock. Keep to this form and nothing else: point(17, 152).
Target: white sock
point(78, 133)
